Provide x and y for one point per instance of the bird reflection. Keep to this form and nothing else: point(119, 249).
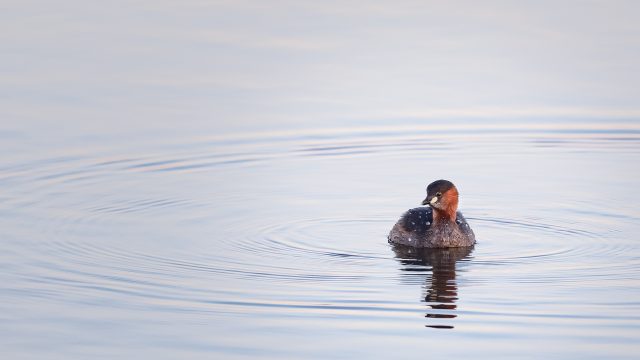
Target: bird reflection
point(441, 290)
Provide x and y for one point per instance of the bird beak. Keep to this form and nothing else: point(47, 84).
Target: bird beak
point(430, 201)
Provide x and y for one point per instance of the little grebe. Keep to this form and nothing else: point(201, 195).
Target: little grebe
point(437, 226)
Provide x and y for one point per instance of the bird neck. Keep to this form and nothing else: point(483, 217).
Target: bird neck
point(448, 213)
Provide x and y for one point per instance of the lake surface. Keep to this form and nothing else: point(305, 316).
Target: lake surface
point(273, 245)
point(217, 179)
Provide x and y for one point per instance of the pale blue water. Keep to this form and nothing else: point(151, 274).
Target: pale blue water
point(275, 246)
point(217, 180)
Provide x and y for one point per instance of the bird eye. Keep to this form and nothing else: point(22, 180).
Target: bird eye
point(438, 194)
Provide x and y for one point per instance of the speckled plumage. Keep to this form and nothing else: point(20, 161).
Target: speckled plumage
point(415, 228)
point(438, 226)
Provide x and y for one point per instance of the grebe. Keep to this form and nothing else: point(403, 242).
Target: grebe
point(438, 226)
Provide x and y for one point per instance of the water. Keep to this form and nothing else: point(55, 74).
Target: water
point(216, 179)
point(273, 245)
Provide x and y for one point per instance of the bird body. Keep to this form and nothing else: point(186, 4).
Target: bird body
point(438, 226)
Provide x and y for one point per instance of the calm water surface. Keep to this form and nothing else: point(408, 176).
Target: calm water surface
point(273, 244)
point(216, 179)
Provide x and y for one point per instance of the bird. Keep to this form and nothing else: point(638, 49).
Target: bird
point(439, 225)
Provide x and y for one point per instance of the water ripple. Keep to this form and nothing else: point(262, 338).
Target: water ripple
point(173, 228)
